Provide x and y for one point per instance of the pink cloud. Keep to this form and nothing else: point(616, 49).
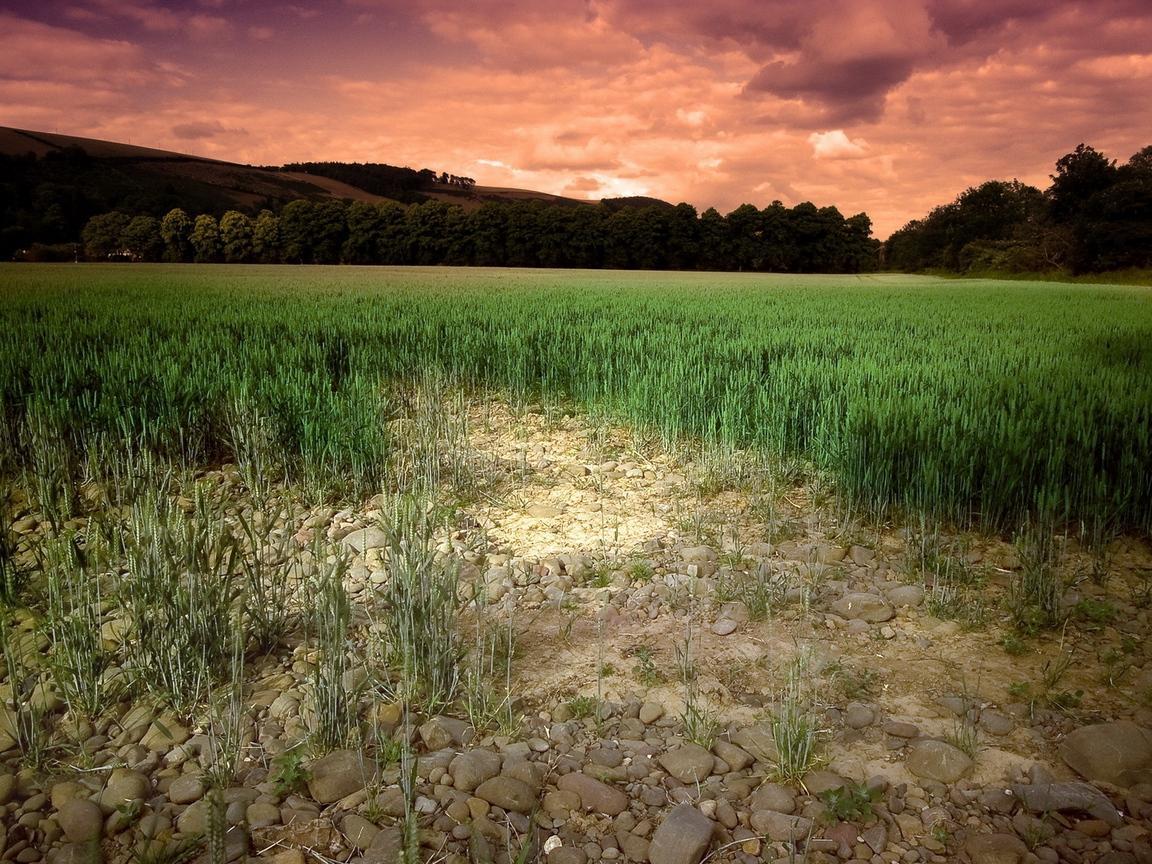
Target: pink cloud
point(888, 107)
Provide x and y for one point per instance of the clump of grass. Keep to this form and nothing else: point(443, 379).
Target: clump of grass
point(487, 680)
point(965, 737)
point(1035, 595)
point(271, 581)
point(20, 719)
point(333, 705)
point(582, 706)
point(79, 659)
point(13, 577)
point(422, 644)
point(181, 597)
point(795, 725)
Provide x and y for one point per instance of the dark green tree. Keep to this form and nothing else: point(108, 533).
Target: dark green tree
point(141, 239)
point(102, 235)
point(176, 231)
point(205, 239)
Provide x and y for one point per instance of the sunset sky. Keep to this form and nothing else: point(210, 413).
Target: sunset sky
point(886, 106)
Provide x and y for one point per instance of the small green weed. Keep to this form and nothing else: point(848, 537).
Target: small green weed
point(582, 706)
point(288, 772)
point(850, 803)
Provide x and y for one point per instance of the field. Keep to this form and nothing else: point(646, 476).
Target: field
point(804, 551)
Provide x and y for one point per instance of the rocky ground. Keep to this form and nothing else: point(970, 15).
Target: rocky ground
point(661, 603)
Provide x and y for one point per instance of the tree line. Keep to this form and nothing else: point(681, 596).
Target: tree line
point(1094, 217)
point(800, 239)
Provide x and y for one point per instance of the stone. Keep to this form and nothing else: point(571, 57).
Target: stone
point(689, 763)
point(1056, 797)
point(863, 607)
point(780, 827)
point(595, 796)
point(995, 849)
point(857, 715)
point(937, 760)
point(821, 782)
point(339, 774)
point(682, 838)
point(439, 733)
point(635, 848)
point(1119, 753)
point(901, 729)
point(902, 596)
point(758, 741)
point(737, 757)
point(876, 837)
point(81, 820)
point(508, 793)
point(79, 853)
point(124, 785)
point(261, 814)
point(186, 789)
point(724, 627)
point(650, 712)
point(773, 796)
point(165, 734)
point(359, 831)
point(567, 855)
point(473, 767)
point(996, 723)
point(363, 539)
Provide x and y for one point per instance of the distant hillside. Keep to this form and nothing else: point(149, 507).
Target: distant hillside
point(51, 184)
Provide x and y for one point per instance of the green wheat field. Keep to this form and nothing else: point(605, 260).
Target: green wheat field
point(983, 403)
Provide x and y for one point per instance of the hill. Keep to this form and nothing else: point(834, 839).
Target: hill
point(51, 184)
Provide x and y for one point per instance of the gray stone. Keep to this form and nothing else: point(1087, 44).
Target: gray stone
point(758, 741)
point(996, 723)
point(123, 786)
point(780, 827)
point(773, 796)
point(359, 831)
point(386, 847)
point(724, 627)
point(364, 539)
point(682, 838)
point(863, 607)
point(635, 848)
point(439, 733)
point(737, 757)
point(650, 712)
point(820, 782)
point(689, 763)
point(567, 855)
point(508, 793)
point(1119, 753)
point(339, 774)
point(858, 715)
point(79, 853)
point(81, 820)
point(901, 729)
point(905, 596)
point(595, 796)
point(995, 849)
point(1055, 797)
point(937, 760)
point(473, 767)
point(186, 788)
point(261, 814)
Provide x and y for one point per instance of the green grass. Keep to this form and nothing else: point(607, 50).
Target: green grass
point(974, 401)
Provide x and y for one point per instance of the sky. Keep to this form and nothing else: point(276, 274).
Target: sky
point(884, 106)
